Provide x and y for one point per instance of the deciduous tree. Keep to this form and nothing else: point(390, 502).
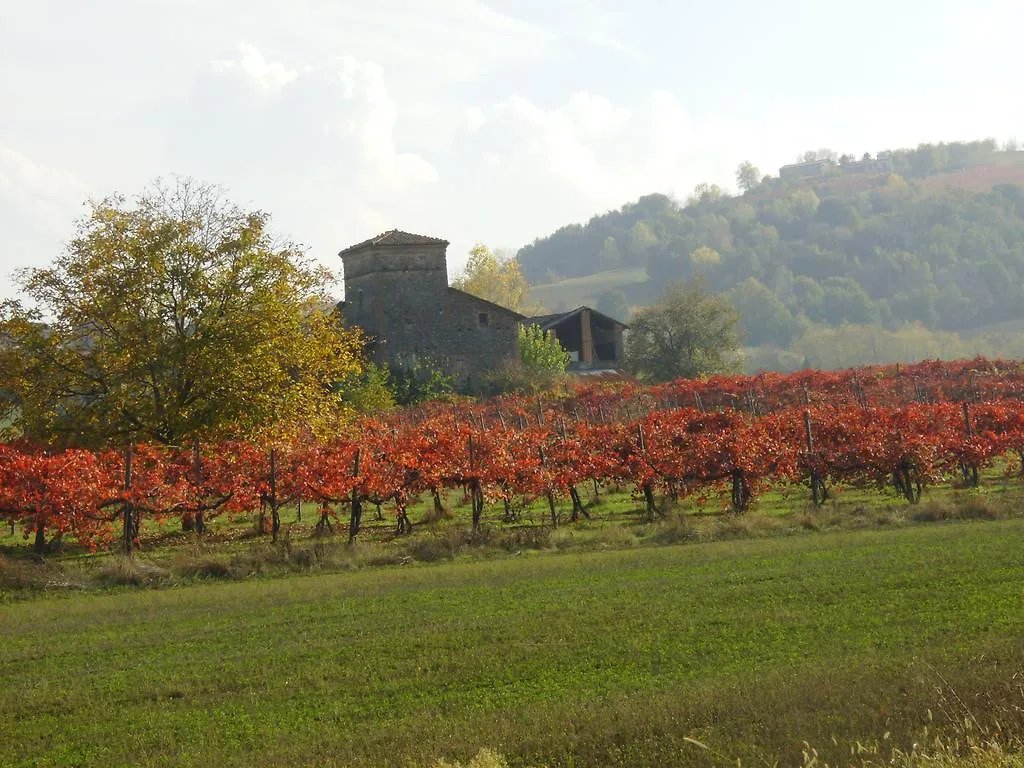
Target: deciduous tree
point(174, 315)
point(541, 352)
point(688, 332)
point(748, 177)
point(495, 278)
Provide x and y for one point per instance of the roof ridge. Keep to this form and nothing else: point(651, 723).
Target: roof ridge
point(394, 238)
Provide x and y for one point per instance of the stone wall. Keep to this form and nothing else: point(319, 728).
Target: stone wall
point(400, 296)
point(476, 336)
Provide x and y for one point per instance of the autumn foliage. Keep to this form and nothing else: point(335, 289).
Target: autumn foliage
point(902, 428)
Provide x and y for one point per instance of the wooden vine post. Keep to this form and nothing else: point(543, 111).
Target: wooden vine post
point(577, 503)
point(969, 471)
point(475, 489)
point(356, 514)
point(819, 493)
point(129, 521)
point(648, 490)
point(199, 521)
point(275, 507)
point(547, 490)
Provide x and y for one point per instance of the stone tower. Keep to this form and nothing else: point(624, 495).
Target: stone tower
point(393, 285)
point(396, 290)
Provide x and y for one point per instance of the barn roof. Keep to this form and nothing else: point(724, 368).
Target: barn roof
point(550, 321)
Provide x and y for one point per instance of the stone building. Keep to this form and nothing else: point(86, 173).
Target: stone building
point(814, 169)
point(396, 290)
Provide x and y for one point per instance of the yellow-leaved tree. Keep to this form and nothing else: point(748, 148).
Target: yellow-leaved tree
point(175, 316)
point(496, 278)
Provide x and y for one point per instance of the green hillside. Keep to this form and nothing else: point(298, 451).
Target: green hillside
point(588, 289)
point(931, 239)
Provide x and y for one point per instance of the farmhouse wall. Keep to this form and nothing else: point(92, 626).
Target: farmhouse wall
point(399, 295)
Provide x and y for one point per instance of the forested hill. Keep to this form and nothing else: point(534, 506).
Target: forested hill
point(933, 236)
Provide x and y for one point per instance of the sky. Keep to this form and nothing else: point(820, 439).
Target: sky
point(492, 121)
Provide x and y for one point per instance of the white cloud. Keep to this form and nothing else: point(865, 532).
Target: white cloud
point(38, 205)
point(252, 68)
point(437, 118)
point(315, 145)
point(590, 153)
point(999, 24)
point(475, 119)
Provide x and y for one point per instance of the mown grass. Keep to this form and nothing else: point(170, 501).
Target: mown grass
point(622, 657)
point(581, 290)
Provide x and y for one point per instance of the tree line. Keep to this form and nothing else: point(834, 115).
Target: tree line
point(884, 250)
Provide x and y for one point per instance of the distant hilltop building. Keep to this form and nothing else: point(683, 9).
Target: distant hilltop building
point(396, 290)
point(815, 169)
point(801, 171)
point(869, 165)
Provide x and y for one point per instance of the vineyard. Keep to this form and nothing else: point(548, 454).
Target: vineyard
point(897, 428)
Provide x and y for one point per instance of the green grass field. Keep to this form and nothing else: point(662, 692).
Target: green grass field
point(585, 290)
point(749, 647)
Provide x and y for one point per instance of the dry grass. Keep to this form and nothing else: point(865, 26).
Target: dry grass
point(485, 758)
point(675, 529)
point(131, 571)
point(568, 538)
point(975, 507)
point(22, 576)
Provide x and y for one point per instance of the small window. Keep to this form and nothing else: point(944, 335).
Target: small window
point(485, 319)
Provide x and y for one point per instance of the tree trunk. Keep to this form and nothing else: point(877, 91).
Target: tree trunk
point(970, 474)
point(510, 513)
point(552, 509)
point(577, 504)
point(39, 545)
point(404, 523)
point(649, 504)
point(129, 521)
point(740, 491)
point(324, 523)
point(477, 498)
point(200, 521)
point(129, 529)
point(819, 493)
point(910, 483)
point(356, 516)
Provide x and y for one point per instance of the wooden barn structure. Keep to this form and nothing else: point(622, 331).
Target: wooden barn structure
point(593, 339)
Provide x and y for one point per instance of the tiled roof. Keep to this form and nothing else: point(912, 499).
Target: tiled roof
point(545, 321)
point(394, 237)
point(550, 321)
